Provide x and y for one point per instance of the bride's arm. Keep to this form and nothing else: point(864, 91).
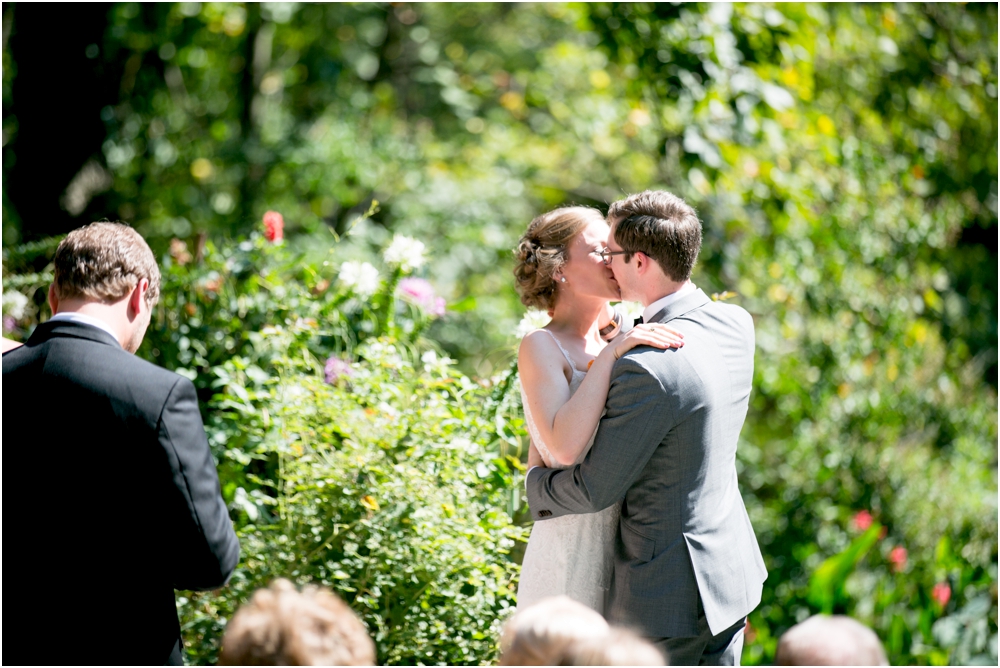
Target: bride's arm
point(566, 422)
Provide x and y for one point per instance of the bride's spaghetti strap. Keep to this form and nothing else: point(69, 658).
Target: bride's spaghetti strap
point(572, 364)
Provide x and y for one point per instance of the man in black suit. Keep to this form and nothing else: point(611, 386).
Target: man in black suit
point(118, 502)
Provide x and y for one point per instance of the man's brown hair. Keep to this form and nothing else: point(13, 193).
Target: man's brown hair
point(282, 627)
point(104, 262)
point(661, 225)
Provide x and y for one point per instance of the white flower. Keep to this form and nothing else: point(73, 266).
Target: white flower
point(241, 501)
point(531, 321)
point(362, 277)
point(435, 364)
point(14, 303)
point(406, 252)
point(629, 310)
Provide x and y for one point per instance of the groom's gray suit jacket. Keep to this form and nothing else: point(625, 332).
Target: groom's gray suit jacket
point(667, 444)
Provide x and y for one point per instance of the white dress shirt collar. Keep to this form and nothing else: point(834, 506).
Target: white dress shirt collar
point(664, 302)
point(84, 319)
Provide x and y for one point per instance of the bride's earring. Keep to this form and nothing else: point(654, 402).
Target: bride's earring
point(562, 280)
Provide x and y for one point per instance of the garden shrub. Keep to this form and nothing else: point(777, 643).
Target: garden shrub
point(391, 486)
point(353, 454)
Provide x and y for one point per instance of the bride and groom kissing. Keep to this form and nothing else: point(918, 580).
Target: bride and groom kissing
point(632, 474)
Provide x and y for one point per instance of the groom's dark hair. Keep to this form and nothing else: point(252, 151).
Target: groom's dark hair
point(661, 225)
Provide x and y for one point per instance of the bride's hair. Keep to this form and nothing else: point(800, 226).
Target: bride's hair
point(541, 252)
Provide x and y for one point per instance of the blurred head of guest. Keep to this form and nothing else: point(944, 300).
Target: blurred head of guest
point(823, 640)
point(281, 626)
point(542, 634)
point(106, 271)
point(620, 647)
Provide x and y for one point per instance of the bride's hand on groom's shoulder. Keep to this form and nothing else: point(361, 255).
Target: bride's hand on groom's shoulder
point(647, 334)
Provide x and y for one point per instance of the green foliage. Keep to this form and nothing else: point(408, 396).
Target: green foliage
point(826, 583)
point(392, 486)
point(842, 158)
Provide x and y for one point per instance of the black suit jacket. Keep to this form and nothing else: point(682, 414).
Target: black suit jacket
point(112, 501)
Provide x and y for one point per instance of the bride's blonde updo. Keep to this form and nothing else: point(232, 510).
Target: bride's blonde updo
point(541, 252)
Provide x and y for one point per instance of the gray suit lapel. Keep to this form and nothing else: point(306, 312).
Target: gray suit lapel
point(696, 299)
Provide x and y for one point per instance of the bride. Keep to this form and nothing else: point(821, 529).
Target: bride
point(565, 371)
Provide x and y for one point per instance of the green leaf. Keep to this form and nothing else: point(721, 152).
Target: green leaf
point(827, 581)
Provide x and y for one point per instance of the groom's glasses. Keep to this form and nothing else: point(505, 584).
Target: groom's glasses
point(606, 254)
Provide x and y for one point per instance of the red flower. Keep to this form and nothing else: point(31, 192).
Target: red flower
point(897, 558)
point(274, 226)
point(862, 520)
point(941, 593)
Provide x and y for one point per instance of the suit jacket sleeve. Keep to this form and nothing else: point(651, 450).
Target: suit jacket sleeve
point(639, 415)
point(206, 549)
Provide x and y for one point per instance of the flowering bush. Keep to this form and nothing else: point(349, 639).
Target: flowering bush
point(351, 453)
point(395, 491)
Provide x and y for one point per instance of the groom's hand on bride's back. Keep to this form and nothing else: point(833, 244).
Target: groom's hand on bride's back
point(647, 334)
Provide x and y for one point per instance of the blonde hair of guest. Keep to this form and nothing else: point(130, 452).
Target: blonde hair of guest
point(542, 634)
point(620, 647)
point(280, 626)
point(825, 640)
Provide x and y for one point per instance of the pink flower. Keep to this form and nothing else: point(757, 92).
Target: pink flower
point(417, 290)
point(336, 369)
point(9, 323)
point(274, 227)
point(897, 558)
point(862, 520)
point(941, 593)
point(420, 292)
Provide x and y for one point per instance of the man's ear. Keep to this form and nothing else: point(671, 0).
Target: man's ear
point(641, 262)
point(53, 299)
point(137, 300)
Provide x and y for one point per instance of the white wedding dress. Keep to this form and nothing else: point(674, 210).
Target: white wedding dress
point(572, 554)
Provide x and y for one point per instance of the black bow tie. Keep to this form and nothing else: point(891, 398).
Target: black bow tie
point(637, 321)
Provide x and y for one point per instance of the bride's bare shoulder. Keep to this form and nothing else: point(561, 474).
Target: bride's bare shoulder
point(536, 342)
point(540, 352)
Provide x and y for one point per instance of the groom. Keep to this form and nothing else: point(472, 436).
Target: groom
point(688, 570)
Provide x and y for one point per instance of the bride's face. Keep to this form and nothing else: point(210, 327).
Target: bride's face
point(584, 270)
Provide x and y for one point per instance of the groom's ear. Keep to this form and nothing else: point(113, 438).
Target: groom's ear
point(641, 261)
